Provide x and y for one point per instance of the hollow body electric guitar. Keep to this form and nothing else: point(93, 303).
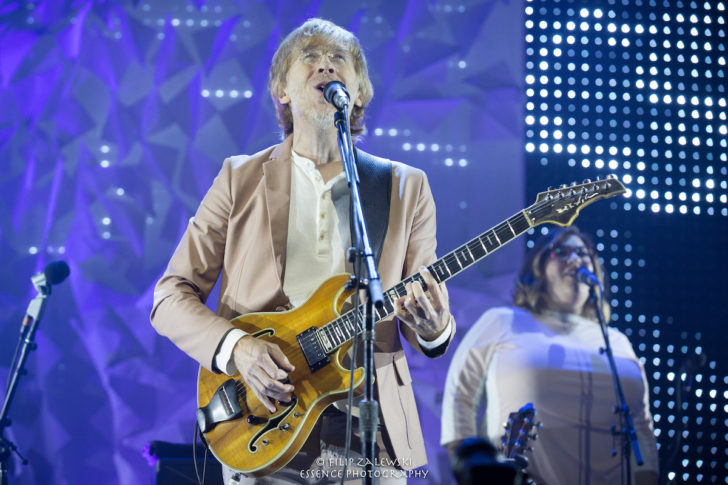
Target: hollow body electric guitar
point(244, 435)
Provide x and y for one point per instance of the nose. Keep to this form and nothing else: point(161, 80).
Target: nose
point(325, 65)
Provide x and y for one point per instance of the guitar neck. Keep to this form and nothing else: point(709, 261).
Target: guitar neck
point(343, 329)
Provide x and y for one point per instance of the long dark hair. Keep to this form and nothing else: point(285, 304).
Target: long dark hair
point(530, 292)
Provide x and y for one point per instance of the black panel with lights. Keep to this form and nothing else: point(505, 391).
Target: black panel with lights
point(638, 89)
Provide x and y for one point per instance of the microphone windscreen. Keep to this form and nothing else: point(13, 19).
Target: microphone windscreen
point(56, 272)
point(331, 89)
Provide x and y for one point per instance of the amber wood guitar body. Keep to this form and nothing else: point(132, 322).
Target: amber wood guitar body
point(261, 449)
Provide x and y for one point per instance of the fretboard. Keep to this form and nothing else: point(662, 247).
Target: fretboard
point(339, 331)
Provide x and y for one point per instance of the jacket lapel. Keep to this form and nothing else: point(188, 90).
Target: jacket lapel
point(277, 177)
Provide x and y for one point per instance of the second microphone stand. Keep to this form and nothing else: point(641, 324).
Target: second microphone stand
point(368, 407)
point(626, 432)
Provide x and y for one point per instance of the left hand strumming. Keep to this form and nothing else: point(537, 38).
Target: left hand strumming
point(425, 312)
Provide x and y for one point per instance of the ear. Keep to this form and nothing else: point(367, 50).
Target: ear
point(280, 90)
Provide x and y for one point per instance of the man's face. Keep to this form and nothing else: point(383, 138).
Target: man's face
point(314, 65)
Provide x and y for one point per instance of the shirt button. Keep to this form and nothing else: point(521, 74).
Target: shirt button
point(321, 237)
point(323, 216)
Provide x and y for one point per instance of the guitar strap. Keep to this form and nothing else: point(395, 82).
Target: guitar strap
point(375, 189)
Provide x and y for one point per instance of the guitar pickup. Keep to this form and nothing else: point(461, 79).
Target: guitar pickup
point(223, 406)
point(313, 351)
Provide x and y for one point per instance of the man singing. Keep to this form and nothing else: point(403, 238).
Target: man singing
point(272, 224)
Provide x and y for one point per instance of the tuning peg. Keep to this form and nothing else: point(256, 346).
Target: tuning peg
point(586, 181)
point(563, 186)
point(573, 184)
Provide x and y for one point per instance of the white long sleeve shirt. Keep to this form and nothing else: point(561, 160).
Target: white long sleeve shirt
point(511, 357)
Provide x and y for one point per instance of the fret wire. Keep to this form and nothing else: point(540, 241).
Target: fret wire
point(330, 344)
point(329, 335)
point(511, 228)
point(340, 333)
point(350, 323)
point(499, 231)
point(332, 337)
point(457, 260)
point(320, 340)
point(480, 241)
point(345, 330)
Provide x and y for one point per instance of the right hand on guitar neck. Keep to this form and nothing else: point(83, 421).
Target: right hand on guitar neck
point(263, 366)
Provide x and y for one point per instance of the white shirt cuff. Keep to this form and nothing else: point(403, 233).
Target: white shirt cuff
point(224, 357)
point(444, 336)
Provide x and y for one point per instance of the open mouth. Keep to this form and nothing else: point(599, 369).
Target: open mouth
point(320, 86)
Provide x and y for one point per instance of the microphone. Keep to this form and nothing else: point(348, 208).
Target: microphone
point(56, 272)
point(587, 277)
point(336, 94)
point(52, 274)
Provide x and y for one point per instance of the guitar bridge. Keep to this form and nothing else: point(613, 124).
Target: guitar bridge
point(312, 349)
point(223, 406)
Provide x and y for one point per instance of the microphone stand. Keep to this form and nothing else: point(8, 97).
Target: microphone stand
point(368, 407)
point(627, 432)
point(27, 334)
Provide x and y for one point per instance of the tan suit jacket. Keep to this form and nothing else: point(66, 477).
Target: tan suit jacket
point(240, 229)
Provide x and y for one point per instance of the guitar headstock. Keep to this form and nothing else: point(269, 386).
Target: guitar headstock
point(519, 430)
point(562, 205)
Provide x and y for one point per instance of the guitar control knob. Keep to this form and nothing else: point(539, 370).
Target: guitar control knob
point(256, 420)
point(284, 427)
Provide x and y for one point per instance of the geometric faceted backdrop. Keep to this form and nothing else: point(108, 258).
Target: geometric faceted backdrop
point(116, 116)
point(114, 119)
